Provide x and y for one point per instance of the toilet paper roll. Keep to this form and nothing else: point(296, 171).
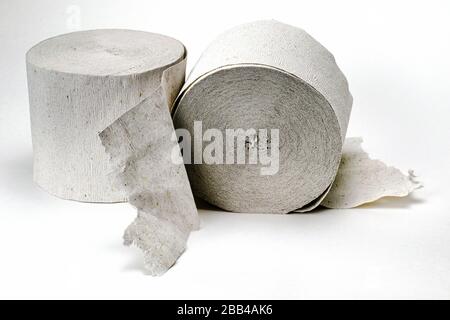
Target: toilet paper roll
point(79, 83)
point(268, 75)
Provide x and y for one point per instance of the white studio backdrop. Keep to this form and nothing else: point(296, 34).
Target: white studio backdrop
point(395, 57)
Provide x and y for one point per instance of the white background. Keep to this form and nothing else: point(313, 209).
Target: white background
point(396, 58)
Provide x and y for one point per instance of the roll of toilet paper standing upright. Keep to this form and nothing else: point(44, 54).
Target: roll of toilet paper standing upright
point(79, 83)
point(267, 75)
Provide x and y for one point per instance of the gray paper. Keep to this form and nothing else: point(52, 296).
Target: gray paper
point(140, 144)
point(362, 180)
point(267, 74)
point(79, 83)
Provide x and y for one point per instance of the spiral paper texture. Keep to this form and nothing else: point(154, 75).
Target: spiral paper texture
point(268, 75)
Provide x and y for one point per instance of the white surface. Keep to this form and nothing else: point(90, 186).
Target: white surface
point(395, 56)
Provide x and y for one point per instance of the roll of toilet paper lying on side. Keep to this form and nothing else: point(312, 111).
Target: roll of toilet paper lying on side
point(268, 76)
point(81, 82)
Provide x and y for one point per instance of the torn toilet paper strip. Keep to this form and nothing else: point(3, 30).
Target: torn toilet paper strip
point(361, 180)
point(140, 144)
